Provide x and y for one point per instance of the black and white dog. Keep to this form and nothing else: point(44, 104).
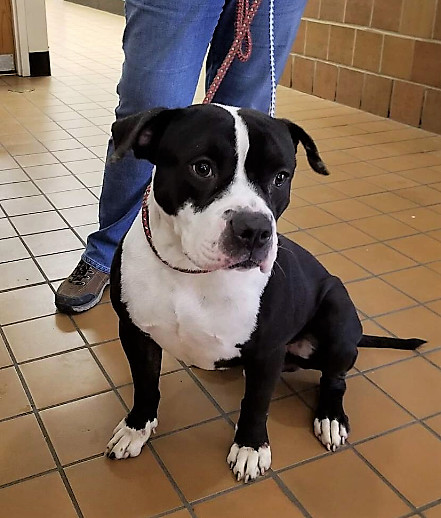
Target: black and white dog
point(203, 274)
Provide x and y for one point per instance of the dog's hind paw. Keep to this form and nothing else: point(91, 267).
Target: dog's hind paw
point(247, 463)
point(128, 442)
point(330, 432)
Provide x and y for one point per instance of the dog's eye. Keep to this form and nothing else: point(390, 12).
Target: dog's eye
point(280, 178)
point(202, 169)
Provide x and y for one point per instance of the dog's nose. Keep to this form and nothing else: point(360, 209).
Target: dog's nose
point(252, 229)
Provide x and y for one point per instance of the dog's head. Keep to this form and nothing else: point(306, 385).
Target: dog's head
point(222, 175)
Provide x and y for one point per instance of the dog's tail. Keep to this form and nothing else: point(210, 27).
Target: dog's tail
point(386, 342)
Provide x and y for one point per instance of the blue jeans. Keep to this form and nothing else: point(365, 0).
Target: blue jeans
point(164, 44)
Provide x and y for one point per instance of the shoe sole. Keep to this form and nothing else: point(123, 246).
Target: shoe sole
point(64, 308)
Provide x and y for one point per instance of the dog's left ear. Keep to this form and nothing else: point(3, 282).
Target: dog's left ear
point(298, 134)
point(140, 132)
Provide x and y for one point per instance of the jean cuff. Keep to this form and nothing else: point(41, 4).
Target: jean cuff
point(96, 265)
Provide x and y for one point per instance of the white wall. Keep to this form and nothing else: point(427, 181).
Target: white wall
point(36, 25)
point(30, 31)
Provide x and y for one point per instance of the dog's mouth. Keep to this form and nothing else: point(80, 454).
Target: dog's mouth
point(248, 264)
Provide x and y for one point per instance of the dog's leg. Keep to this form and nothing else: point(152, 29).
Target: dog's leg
point(144, 357)
point(250, 454)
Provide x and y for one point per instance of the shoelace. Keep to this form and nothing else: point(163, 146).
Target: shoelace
point(82, 273)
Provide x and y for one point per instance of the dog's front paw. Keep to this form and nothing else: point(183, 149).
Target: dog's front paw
point(248, 463)
point(128, 442)
point(332, 433)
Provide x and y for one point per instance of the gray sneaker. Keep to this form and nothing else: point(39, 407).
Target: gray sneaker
point(82, 290)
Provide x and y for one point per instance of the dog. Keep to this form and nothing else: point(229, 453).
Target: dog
point(203, 274)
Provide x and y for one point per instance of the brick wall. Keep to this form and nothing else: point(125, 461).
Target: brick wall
point(383, 56)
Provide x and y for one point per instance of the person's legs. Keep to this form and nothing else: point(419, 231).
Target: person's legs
point(164, 44)
point(248, 84)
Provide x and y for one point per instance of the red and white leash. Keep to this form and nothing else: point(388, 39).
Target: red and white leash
point(242, 47)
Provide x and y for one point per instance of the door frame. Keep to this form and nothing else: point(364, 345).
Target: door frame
point(21, 38)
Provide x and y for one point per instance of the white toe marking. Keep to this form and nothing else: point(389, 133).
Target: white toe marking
point(331, 434)
point(248, 463)
point(128, 442)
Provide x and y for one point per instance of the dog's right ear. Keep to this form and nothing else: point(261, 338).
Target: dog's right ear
point(140, 132)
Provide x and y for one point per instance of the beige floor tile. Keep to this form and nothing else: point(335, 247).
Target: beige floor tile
point(435, 306)
point(311, 244)
point(112, 357)
point(350, 209)
point(36, 159)
point(421, 218)
point(375, 297)
point(26, 303)
point(341, 236)
point(435, 423)
point(420, 283)
point(5, 359)
point(17, 500)
point(228, 387)
point(19, 273)
point(370, 358)
point(58, 184)
point(309, 217)
point(77, 216)
point(41, 222)
point(284, 226)
point(416, 322)
point(85, 166)
point(260, 499)
point(421, 248)
point(6, 229)
point(435, 357)
point(383, 227)
point(70, 155)
point(28, 205)
point(17, 190)
point(415, 474)
point(12, 175)
point(423, 195)
point(433, 512)
point(412, 383)
point(12, 249)
point(13, 397)
point(23, 442)
point(99, 483)
point(339, 475)
point(42, 336)
point(290, 433)
point(59, 266)
point(387, 202)
point(93, 179)
point(75, 374)
point(53, 242)
point(67, 199)
point(378, 258)
point(98, 324)
point(319, 194)
point(182, 402)
point(83, 428)
point(196, 458)
point(40, 172)
point(337, 264)
point(370, 411)
point(302, 380)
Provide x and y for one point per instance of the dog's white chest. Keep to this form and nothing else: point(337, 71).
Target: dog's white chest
point(197, 318)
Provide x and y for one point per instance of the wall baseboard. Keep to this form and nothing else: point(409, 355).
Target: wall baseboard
point(111, 6)
point(39, 63)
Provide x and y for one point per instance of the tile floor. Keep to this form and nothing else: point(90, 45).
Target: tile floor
point(64, 383)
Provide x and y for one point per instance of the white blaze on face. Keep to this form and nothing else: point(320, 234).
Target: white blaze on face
point(201, 231)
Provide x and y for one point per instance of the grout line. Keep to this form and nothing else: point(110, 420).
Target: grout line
point(43, 429)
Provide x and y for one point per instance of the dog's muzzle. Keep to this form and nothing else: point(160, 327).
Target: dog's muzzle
point(247, 239)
